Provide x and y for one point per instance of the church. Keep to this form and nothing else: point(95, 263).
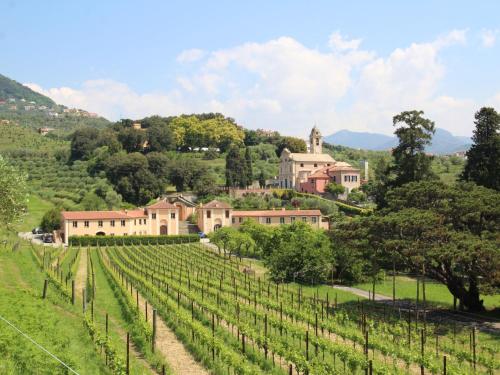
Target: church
point(310, 172)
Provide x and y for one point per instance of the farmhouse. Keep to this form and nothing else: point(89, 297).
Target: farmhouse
point(169, 217)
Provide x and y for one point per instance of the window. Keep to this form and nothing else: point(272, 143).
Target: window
point(123, 223)
point(301, 164)
point(99, 223)
point(304, 219)
point(292, 219)
point(355, 178)
point(240, 220)
point(144, 221)
point(317, 141)
point(111, 234)
point(282, 220)
point(172, 215)
point(314, 219)
point(86, 224)
point(209, 214)
point(334, 178)
point(315, 164)
point(153, 216)
point(125, 234)
point(140, 221)
point(227, 214)
point(112, 222)
point(75, 224)
point(327, 164)
point(346, 178)
point(233, 220)
point(268, 220)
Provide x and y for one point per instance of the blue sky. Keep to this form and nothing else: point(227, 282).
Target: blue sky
point(270, 64)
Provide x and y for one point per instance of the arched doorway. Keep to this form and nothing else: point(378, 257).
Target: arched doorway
point(163, 230)
point(100, 234)
point(217, 224)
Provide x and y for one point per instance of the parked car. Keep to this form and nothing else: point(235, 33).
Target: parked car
point(202, 235)
point(48, 238)
point(37, 230)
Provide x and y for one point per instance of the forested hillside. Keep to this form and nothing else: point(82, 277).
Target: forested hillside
point(10, 89)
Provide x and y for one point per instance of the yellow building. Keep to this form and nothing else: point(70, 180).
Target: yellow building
point(214, 215)
point(279, 217)
point(161, 218)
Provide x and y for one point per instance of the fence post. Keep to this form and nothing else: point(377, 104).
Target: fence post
point(153, 340)
point(444, 365)
point(45, 284)
point(72, 292)
point(83, 300)
point(128, 353)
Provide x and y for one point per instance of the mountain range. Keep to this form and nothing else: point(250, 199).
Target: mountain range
point(443, 142)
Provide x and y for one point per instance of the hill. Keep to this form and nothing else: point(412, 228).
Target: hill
point(21, 105)
point(443, 142)
point(10, 89)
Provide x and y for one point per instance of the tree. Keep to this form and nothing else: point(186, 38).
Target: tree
point(262, 180)
point(292, 143)
point(131, 177)
point(222, 238)
point(205, 185)
point(113, 200)
point(334, 189)
point(92, 202)
point(159, 165)
point(158, 133)
point(184, 173)
point(300, 253)
point(356, 196)
point(132, 139)
point(445, 232)
point(13, 193)
point(235, 169)
point(51, 220)
point(261, 235)
point(248, 166)
point(83, 142)
point(483, 158)
point(410, 161)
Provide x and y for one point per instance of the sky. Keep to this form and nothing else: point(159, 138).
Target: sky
point(281, 65)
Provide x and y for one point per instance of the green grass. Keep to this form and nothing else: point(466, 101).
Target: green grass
point(52, 322)
point(436, 293)
point(36, 209)
point(119, 323)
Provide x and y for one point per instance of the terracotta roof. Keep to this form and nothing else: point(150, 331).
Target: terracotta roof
point(93, 215)
point(311, 157)
point(163, 204)
point(276, 213)
point(216, 204)
point(140, 212)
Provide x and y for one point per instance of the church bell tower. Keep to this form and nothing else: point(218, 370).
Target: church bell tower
point(315, 141)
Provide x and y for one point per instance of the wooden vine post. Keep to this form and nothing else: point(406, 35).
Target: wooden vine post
point(128, 354)
point(153, 337)
point(45, 284)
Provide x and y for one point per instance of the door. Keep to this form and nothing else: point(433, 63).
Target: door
point(163, 230)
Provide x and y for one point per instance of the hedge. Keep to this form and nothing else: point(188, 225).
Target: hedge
point(132, 240)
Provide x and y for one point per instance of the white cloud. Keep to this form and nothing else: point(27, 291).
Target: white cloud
point(339, 42)
point(190, 55)
point(284, 85)
point(489, 37)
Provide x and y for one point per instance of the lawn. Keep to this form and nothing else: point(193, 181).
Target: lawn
point(436, 293)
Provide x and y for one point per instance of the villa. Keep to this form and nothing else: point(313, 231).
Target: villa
point(169, 217)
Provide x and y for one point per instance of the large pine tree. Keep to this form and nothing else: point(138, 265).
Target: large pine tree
point(483, 158)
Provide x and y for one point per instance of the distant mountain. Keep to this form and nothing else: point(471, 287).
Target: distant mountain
point(10, 89)
point(367, 141)
point(443, 142)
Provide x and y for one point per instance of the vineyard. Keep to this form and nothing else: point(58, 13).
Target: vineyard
point(234, 322)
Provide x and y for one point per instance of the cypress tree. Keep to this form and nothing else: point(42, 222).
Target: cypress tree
point(248, 167)
point(483, 158)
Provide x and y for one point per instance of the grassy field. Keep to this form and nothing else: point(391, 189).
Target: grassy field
point(436, 293)
point(52, 322)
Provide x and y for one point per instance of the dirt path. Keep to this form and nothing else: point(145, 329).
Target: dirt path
point(362, 293)
point(178, 357)
point(81, 273)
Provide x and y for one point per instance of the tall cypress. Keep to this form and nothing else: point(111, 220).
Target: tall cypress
point(483, 158)
point(248, 167)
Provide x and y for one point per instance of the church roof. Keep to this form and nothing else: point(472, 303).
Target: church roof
point(311, 157)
